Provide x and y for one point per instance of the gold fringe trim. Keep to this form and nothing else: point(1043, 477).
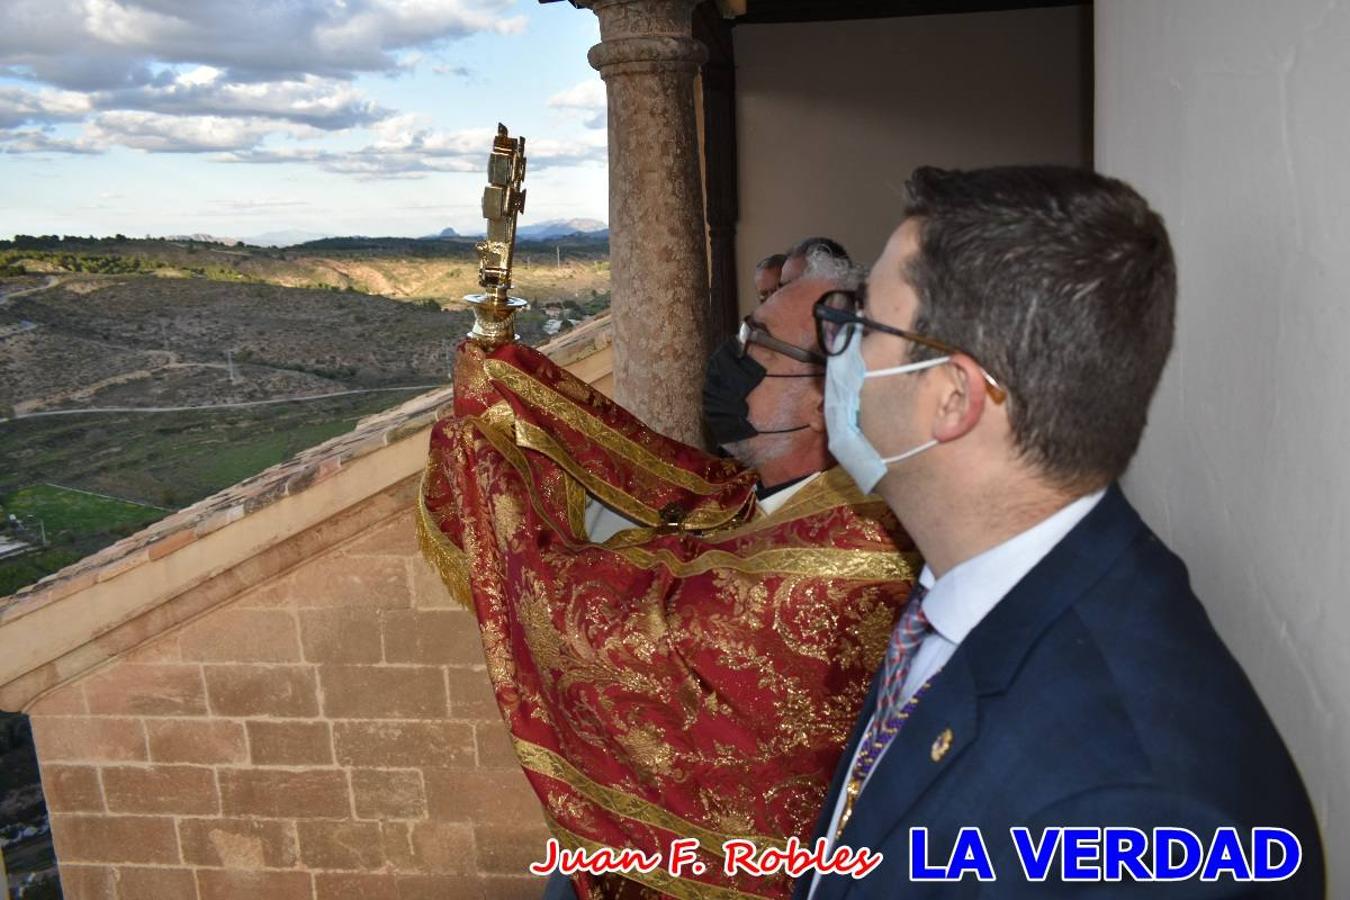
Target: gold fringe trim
point(449, 561)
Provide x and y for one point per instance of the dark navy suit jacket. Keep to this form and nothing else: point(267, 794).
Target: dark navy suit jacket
point(1095, 693)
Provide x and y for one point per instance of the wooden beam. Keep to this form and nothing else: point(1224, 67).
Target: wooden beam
point(763, 12)
point(721, 205)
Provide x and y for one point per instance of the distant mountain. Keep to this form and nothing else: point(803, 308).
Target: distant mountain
point(285, 238)
point(443, 233)
point(559, 227)
point(202, 238)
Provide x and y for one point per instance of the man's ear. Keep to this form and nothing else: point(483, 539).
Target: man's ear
point(961, 403)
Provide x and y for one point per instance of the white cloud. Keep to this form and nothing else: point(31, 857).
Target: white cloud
point(404, 150)
point(20, 106)
point(458, 71)
point(36, 141)
point(327, 103)
point(170, 76)
point(103, 44)
point(586, 98)
point(246, 79)
point(183, 134)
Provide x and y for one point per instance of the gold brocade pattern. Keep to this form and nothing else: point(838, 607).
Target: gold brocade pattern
point(544, 397)
point(831, 489)
point(852, 564)
point(543, 761)
point(827, 562)
point(673, 682)
point(535, 438)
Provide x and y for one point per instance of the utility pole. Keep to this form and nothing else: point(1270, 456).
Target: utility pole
point(229, 360)
point(449, 357)
point(164, 332)
point(558, 249)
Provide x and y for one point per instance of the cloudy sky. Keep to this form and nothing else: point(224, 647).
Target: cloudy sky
point(241, 117)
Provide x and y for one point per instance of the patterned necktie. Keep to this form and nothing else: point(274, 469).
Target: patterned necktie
point(891, 712)
point(908, 634)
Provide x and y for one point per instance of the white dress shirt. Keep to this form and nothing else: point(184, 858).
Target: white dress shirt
point(775, 501)
point(960, 599)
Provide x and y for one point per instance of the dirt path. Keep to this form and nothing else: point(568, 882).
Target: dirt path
point(52, 281)
point(156, 409)
point(23, 407)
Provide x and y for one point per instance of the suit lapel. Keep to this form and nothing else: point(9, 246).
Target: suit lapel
point(997, 646)
point(939, 728)
point(984, 664)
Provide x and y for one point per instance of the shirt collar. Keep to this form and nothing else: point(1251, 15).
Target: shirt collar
point(960, 599)
point(780, 495)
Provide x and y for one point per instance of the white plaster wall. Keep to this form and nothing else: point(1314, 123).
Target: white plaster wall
point(831, 117)
point(1233, 118)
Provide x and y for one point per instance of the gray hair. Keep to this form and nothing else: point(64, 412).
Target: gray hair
point(820, 264)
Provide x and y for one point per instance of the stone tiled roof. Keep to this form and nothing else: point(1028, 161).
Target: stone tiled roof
point(282, 480)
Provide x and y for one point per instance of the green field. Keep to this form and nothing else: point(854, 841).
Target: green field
point(164, 459)
point(75, 512)
point(180, 323)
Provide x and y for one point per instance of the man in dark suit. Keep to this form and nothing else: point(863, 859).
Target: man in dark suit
point(1058, 670)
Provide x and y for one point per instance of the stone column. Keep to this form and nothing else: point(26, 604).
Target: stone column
point(658, 251)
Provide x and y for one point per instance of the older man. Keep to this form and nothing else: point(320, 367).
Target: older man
point(763, 398)
point(992, 384)
point(691, 676)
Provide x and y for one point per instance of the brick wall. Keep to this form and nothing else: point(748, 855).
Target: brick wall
point(328, 735)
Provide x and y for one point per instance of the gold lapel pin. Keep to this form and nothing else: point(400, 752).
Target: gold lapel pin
point(941, 744)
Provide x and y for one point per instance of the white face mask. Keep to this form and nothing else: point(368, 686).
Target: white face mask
point(844, 376)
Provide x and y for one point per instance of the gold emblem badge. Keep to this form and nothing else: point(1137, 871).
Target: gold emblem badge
point(941, 744)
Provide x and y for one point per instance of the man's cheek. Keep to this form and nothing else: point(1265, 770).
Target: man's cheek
point(879, 411)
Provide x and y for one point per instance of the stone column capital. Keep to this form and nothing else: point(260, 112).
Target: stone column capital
point(622, 55)
point(641, 18)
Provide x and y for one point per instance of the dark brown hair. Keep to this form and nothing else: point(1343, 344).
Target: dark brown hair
point(1061, 282)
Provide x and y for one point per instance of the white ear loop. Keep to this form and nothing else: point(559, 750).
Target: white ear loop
point(915, 451)
point(909, 367)
point(897, 370)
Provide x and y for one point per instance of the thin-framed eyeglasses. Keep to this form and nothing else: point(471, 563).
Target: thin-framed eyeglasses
point(751, 332)
point(838, 309)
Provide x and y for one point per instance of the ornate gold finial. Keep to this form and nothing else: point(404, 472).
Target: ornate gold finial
point(494, 311)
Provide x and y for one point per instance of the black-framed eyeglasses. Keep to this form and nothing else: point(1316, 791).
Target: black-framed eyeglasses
point(751, 332)
point(838, 309)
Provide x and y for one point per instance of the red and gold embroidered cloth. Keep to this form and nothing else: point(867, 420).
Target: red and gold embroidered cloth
point(696, 677)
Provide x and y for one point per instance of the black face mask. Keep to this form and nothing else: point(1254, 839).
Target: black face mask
point(727, 383)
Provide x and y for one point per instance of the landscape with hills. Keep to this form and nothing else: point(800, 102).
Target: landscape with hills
point(227, 358)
